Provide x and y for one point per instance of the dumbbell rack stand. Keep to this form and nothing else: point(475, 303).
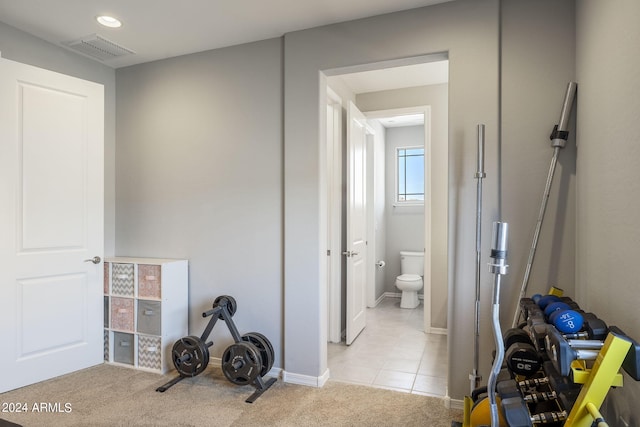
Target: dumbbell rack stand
point(602, 376)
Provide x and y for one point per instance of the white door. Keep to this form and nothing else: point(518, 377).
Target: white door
point(51, 221)
point(356, 251)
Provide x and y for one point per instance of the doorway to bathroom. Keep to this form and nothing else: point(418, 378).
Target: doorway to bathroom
point(397, 346)
point(399, 201)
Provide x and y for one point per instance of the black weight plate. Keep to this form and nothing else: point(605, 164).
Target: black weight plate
point(190, 356)
point(269, 345)
point(232, 305)
point(230, 301)
point(265, 353)
point(241, 363)
point(515, 335)
point(523, 359)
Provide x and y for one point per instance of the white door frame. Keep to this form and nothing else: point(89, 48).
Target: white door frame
point(334, 215)
point(426, 111)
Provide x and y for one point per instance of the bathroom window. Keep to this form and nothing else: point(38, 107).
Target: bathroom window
point(410, 178)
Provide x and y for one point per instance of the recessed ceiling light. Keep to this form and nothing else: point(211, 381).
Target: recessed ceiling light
point(109, 21)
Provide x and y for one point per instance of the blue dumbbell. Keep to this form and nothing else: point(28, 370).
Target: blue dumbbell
point(554, 306)
point(546, 300)
point(567, 321)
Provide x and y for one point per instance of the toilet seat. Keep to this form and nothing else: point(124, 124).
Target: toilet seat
point(408, 278)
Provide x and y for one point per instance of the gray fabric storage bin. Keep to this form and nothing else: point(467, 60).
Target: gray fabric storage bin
point(149, 317)
point(123, 348)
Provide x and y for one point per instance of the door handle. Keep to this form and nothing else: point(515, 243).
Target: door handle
point(350, 253)
point(96, 260)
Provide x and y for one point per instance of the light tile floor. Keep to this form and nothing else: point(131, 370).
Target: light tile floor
point(393, 352)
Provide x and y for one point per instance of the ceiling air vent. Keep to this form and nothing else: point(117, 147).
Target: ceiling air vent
point(98, 47)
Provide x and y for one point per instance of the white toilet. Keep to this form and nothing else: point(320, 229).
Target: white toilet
point(410, 279)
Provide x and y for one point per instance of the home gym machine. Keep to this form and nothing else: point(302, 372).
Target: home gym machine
point(245, 362)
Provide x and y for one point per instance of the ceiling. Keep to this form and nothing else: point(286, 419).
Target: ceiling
point(158, 29)
point(424, 74)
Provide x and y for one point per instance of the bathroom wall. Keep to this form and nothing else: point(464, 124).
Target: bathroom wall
point(405, 224)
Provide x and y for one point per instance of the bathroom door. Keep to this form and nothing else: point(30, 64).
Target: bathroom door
point(356, 251)
point(51, 221)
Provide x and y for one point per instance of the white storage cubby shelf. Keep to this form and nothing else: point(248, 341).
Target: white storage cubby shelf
point(145, 311)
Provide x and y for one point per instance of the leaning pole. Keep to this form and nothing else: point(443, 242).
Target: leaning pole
point(559, 137)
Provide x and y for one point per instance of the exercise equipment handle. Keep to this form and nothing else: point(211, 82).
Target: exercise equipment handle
point(213, 311)
point(586, 344)
point(549, 417)
point(597, 416)
point(498, 267)
point(499, 248)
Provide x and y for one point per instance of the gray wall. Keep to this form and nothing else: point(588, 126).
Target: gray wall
point(608, 181)
point(473, 98)
point(538, 61)
point(405, 224)
point(437, 97)
point(199, 176)
point(19, 46)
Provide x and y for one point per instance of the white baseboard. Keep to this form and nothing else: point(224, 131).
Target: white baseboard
point(307, 380)
point(438, 331)
point(395, 295)
point(379, 300)
point(454, 404)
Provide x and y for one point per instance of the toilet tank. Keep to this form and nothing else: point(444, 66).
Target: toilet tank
point(412, 262)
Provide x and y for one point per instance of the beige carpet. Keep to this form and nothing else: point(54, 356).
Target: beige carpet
point(108, 395)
